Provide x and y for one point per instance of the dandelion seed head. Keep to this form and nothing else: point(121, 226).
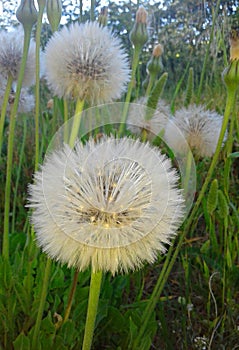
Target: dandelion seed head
point(11, 50)
point(86, 61)
point(26, 101)
point(111, 205)
point(200, 128)
point(137, 121)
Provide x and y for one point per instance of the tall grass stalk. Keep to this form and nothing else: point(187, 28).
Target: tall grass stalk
point(4, 109)
point(37, 87)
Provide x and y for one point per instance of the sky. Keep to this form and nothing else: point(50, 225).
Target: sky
point(13, 4)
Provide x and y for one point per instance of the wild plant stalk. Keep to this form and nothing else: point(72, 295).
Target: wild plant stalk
point(172, 256)
point(76, 122)
point(95, 284)
point(71, 296)
point(92, 10)
point(19, 170)
point(35, 339)
point(135, 62)
point(4, 108)
point(27, 37)
point(37, 87)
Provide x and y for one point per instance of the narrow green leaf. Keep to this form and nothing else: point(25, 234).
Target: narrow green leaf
point(190, 87)
point(223, 209)
point(212, 198)
point(155, 95)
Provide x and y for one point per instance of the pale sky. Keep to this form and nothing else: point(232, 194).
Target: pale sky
point(13, 4)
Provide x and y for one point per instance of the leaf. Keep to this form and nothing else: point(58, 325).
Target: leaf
point(234, 155)
point(212, 198)
point(190, 87)
point(223, 209)
point(21, 342)
point(117, 322)
point(155, 95)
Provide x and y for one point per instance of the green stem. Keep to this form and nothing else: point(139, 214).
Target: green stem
point(5, 250)
point(130, 89)
point(76, 122)
point(44, 287)
point(4, 108)
point(65, 107)
point(170, 260)
point(152, 78)
point(92, 10)
point(37, 88)
point(95, 283)
point(19, 171)
point(71, 296)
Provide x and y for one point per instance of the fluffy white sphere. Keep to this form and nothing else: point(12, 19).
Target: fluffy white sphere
point(110, 205)
point(85, 61)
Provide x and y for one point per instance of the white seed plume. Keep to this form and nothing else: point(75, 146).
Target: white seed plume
point(11, 50)
point(110, 205)
point(86, 61)
point(137, 122)
point(199, 127)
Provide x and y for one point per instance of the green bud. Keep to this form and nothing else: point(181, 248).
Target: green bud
point(231, 75)
point(27, 13)
point(103, 16)
point(54, 11)
point(139, 34)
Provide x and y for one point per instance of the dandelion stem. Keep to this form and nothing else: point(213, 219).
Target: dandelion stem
point(44, 288)
point(92, 10)
point(76, 122)
point(95, 284)
point(130, 89)
point(71, 296)
point(65, 106)
point(27, 36)
point(152, 79)
point(4, 108)
point(37, 90)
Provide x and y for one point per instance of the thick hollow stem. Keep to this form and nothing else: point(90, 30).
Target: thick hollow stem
point(95, 284)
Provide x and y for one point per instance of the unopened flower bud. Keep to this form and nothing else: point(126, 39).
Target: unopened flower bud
point(158, 50)
point(139, 34)
point(103, 16)
point(234, 44)
point(231, 73)
point(155, 65)
point(54, 11)
point(27, 13)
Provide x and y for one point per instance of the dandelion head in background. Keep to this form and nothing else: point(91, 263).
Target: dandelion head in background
point(11, 51)
point(199, 127)
point(110, 205)
point(26, 101)
point(137, 122)
point(86, 62)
